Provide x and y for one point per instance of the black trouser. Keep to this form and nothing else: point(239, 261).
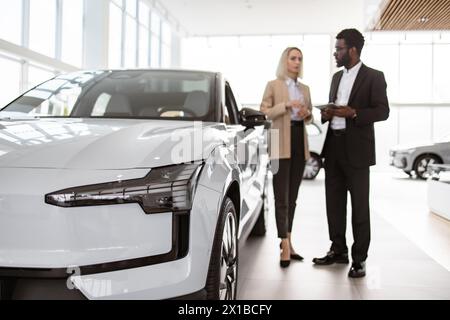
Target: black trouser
point(340, 177)
point(287, 181)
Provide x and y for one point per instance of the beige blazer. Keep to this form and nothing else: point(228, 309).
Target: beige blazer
point(273, 105)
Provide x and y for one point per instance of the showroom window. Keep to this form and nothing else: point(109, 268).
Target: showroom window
point(131, 7)
point(43, 26)
point(139, 37)
point(416, 67)
point(144, 35)
point(415, 64)
point(415, 73)
point(165, 45)
point(249, 72)
point(130, 38)
point(38, 74)
point(56, 29)
point(72, 32)
point(316, 50)
point(384, 54)
point(115, 35)
point(11, 21)
point(441, 69)
point(155, 41)
point(10, 85)
point(53, 28)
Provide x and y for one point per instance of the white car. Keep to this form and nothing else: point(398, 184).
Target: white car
point(316, 138)
point(128, 184)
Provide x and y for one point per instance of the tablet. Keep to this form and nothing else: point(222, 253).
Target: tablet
point(323, 106)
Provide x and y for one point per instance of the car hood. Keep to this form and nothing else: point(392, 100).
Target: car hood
point(104, 144)
point(404, 147)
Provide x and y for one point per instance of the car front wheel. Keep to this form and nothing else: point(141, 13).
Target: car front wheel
point(223, 268)
point(421, 165)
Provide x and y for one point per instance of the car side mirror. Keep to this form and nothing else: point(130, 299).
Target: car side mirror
point(250, 118)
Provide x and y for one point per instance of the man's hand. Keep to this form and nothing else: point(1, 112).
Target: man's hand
point(326, 113)
point(344, 112)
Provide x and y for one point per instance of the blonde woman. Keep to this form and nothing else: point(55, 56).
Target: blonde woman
point(287, 102)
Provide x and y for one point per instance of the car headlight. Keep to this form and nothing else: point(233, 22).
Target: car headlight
point(163, 189)
point(403, 151)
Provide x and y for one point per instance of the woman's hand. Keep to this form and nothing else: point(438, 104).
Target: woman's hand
point(300, 109)
point(303, 112)
point(296, 104)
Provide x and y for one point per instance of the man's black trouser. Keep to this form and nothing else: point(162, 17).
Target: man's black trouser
point(341, 177)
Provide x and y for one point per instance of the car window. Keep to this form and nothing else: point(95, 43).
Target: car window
point(156, 94)
point(56, 97)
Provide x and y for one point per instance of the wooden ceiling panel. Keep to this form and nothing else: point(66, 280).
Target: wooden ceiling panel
point(414, 15)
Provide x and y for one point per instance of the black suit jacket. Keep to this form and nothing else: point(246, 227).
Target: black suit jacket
point(368, 97)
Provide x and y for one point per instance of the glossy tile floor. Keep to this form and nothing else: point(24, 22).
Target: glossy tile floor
point(409, 257)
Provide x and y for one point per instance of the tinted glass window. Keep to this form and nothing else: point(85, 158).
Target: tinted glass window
point(120, 94)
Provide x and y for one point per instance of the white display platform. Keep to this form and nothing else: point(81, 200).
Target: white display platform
point(438, 189)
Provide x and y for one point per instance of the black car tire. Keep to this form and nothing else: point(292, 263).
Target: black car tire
point(221, 260)
point(421, 164)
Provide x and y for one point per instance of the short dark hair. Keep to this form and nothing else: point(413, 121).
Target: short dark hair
point(353, 38)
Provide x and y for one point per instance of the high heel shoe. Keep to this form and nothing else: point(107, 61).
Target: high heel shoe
point(295, 256)
point(284, 263)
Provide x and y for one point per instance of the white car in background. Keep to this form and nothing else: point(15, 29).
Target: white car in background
point(316, 138)
point(128, 184)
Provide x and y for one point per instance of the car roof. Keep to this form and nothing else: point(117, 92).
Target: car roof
point(158, 70)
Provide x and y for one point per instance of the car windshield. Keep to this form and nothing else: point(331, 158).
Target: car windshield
point(154, 94)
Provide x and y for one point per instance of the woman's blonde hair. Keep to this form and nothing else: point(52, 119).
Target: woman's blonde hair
point(282, 65)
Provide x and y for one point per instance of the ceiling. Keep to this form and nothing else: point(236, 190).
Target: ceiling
point(254, 17)
point(414, 15)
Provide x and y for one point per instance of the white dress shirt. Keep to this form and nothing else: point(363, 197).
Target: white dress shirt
point(343, 93)
point(294, 94)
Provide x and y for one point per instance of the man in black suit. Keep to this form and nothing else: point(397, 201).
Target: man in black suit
point(358, 99)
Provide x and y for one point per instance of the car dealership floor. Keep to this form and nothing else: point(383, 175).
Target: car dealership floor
point(409, 257)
